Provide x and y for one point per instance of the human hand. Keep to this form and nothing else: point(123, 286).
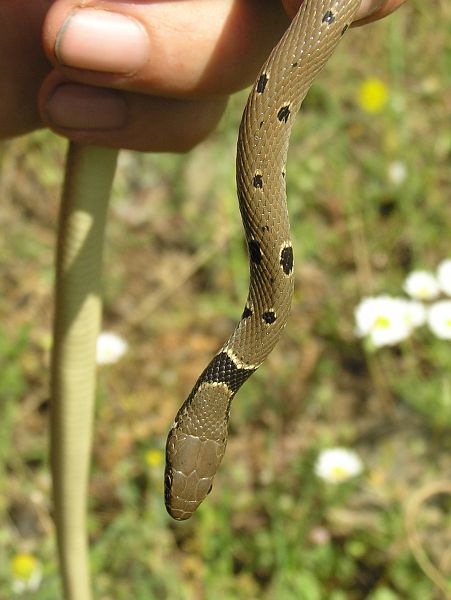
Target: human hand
point(160, 84)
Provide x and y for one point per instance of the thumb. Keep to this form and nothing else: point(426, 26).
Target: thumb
point(151, 75)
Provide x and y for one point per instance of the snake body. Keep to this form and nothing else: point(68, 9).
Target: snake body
point(89, 175)
point(197, 440)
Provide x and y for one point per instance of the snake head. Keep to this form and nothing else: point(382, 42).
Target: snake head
point(197, 442)
point(191, 465)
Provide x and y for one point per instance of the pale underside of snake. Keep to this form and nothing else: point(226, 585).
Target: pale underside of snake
point(198, 437)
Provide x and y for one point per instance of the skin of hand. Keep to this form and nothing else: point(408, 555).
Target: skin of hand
point(143, 75)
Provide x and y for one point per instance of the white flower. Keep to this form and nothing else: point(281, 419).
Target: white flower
point(110, 348)
point(386, 320)
point(338, 464)
point(415, 313)
point(26, 573)
point(320, 536)
point(439, 319)
point(421, 285)
point(397, 172)
point(444, 276)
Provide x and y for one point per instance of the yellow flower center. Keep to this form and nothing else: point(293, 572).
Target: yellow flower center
point(153, 458)
point(23, 566)
point(373, 95)
point(339, 472)
point(382, 322)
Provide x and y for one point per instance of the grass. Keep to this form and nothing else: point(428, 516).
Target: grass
point(176, 279)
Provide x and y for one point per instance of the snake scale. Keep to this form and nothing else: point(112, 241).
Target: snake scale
point(197, 439)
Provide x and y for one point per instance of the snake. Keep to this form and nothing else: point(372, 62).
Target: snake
point(88, 179)
point(197, 439)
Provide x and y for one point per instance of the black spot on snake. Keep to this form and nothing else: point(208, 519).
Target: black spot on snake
point(261, 124)
point(269, 317)
point(257, 182)
point(328, 17)
point(295, 64)
point(284, 113)
point(345, 28)
point(264, 228)
point(261, 83)
point(222, 369)
point(255, 251)
point(286, 260)
point(247, 312)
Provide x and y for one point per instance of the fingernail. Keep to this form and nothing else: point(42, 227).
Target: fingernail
point(102, 41)
point(73, 106)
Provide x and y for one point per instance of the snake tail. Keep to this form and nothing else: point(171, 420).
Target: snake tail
point(197, 440)
point(89, 175)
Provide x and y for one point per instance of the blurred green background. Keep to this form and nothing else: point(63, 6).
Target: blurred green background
point(369, 188)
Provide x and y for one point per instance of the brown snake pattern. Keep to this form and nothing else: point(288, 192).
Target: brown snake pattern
point(197, 440)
